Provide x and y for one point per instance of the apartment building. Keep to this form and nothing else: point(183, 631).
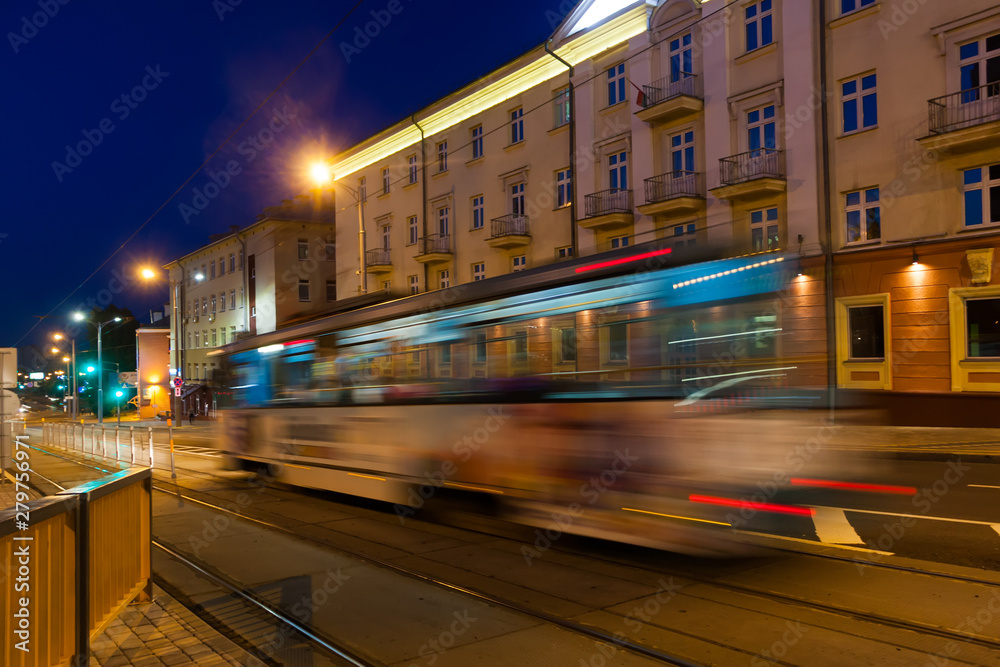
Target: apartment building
point(915, 191)
point(250, 281)
point(703, 123)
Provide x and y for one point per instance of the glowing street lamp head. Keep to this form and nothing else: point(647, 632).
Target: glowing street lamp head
point(66, 359)
point(55, 350)
point(320, 173)
point(148, 273)
point(118, 319)
point(199, 276)
point(78, 317)
point(58, 336)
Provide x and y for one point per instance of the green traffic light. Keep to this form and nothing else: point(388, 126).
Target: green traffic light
point(90, 369)
point(119, 394)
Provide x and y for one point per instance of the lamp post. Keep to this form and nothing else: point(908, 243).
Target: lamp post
point(321, 175)
point(118, 405)
point(79, 317)
point(70, 385)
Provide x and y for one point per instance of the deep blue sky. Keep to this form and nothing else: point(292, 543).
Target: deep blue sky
point(64, 80)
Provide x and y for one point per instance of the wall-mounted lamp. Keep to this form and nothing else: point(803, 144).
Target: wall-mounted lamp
point(916, 260)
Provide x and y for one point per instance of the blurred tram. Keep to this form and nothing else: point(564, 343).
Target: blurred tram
point(602, 396)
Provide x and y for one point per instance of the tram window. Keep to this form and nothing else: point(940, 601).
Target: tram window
point(445, 353)
point(618, 342)
point(480, 347)
point(521, 346)
point(762, 340)
point(567, 345)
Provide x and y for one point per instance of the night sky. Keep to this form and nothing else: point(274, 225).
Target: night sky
point(191, 72)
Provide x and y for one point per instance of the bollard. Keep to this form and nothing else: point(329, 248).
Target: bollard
point(117, 441)
point(151, 447)
point(104, 442)
point(131, 435)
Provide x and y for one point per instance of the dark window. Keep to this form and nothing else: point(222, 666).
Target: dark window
point(982, 317)
point(867, 325)
point(445, 353)
point(568, 345)
point(480, 347)
point(618, 342)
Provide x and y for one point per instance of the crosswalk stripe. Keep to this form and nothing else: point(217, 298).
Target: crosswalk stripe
point(832, 526)
point(911, 516)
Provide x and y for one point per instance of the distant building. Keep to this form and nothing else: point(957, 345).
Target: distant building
point(152, 360)
point(250, 281)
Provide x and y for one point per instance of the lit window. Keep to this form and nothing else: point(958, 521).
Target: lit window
point(303, 249)
point(232, 297)
point(477, 142)
point(616, 84)
point(479, 271)
point(303, 290)
point(442, 152)
point(478, 212)
point(222, 302)
point(860, 103)
point(212, 303)
point(562, 107)
point(982, 195)
point(764, 229)
point(204, 306)
point(864, 220)
point(215, 337)
point(759, 26)
point(517, 125)
point(564, 188)
point(520, 262)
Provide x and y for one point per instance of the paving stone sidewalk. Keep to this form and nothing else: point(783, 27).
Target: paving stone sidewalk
point(164, 632)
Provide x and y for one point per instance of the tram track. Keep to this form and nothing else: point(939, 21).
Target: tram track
point(602, 635)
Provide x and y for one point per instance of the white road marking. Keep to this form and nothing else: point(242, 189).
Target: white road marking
point(911, 516)
point(819, 544)
point(833, 527)
point(996, 527)
point(984, 486)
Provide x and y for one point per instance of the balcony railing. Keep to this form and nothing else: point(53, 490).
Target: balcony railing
point(968, 108)
point(669, 87)
point(377, 257)
point(434, 244)
point(758, 163)
point(514, 224)
point(614, 200)
point(675, 184)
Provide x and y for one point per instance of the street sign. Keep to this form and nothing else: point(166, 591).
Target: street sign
point(10, 404)
point(178, 382)
point(177, 391)
point(8, 367)
point(129, 378)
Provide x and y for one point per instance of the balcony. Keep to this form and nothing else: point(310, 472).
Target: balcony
point(756, 173)
point(676, 192)
point(669, 99)
point(509, 231)
point(964, 121)
point(434, 249)
point(378, 261)
point(608, 209)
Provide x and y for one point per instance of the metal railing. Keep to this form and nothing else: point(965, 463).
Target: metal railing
point(968, 108)
point(86, 553)
point(613, 200)
point(130, 444)
point(670, 87)
point(675, 184)
point(513, 224)
point(433, 244)
point(758, 163)
point(377, 257)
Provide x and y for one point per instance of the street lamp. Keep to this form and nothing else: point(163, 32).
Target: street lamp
point(174, 285)
point(72, 360)
point(321, 175)
point(80, 317)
